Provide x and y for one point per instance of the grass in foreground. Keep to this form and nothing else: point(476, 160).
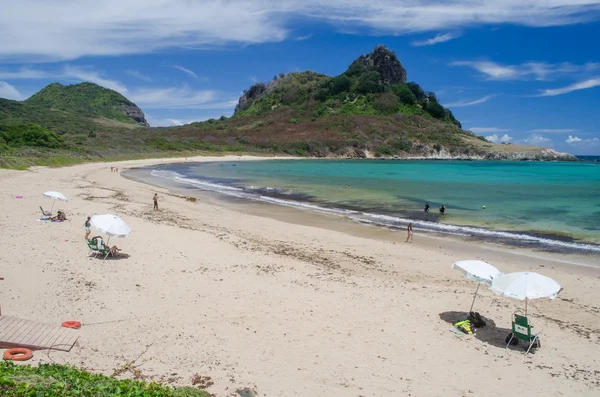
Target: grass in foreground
point(54, 380)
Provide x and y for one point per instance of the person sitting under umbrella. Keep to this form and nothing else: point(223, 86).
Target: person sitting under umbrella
point(61, 216)
point(100, 243)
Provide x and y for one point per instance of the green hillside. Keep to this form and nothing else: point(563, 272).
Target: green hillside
point(373, 85)
point(370, 110)
point(88, 99)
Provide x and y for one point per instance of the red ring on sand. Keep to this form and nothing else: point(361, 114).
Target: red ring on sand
point(72, 324)
point(18, 354)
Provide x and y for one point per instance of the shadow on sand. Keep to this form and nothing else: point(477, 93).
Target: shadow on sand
point(490, 334)
point(119, 257)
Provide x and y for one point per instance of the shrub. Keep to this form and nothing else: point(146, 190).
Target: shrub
point(417, 91)
point(54, 380)
point(436, 110)
point(255, 90)
point(386, 103)
point(404, 94)
point(369, 82)
point(340, 84)
point(33, 135)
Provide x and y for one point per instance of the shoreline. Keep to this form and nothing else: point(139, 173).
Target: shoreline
point(526, 240)
point(279, 303)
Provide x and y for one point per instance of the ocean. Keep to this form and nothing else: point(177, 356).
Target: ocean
point(547, 205)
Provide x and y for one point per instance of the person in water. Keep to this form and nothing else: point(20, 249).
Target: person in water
point(443, 209)
point(426, 209)
point(410, 233)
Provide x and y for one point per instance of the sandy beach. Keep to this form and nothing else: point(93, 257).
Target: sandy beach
point(283, 304)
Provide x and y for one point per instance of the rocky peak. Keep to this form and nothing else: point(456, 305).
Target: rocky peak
point(384, 61)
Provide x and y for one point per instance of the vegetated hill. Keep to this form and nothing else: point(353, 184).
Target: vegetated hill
point(88, 99)
point(370, 110)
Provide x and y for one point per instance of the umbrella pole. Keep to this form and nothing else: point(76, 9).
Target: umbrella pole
point(526, 307)
point(53, 201)
point(475, 297)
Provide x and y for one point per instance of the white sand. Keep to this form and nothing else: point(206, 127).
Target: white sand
point(289, 309)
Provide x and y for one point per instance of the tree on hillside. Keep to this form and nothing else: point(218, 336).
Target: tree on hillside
point(369, 82)
point(417, 91)
point(404, 94)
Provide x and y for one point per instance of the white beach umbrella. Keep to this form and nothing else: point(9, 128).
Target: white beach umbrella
point(55, 196)
point(478, 271)
point(525, 286)
point(111, 225)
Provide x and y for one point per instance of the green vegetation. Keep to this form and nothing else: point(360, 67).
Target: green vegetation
point(54, 380)
point(88, 99)
point(19, 135)
point(369, 110)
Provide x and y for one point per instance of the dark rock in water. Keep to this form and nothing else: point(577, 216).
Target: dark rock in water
point(386, 63)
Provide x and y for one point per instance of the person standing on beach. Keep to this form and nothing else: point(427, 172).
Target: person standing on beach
point(426, 209)
point(443, 209)
point(410, 233)
point(155, 198)
point(87, 226)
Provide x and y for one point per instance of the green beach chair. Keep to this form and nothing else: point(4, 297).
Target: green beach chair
point(45, 214)
point(97, 247)
point(521, 331)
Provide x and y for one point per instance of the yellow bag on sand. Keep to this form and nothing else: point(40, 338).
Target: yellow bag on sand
point(464, 326)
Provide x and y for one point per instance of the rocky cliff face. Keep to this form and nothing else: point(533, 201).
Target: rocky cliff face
point(385, 62)
point(427, 152)
point(133, 112)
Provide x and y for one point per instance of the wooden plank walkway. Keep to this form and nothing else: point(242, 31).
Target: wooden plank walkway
point(16, 332)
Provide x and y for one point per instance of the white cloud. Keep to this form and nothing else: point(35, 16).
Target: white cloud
point(536, 139)
point(68, 73)
point(138, 75)
point(145, 97)
point(553, 130)
point(583, 144)
point(38, 30)
point(528, 70)
point(180, 98)
point(94, 77)
point(494, 138)
point(25, 74)
point(483, 130)
point(170, 122)
point(185, 70)
point(469, 103)
point(302, 38)
point(10, 92)
point(440, 38)
point(583, 85)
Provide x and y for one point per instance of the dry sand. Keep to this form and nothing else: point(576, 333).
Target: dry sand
point(286, 308)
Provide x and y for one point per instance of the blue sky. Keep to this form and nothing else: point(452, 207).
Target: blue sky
point(521, 71)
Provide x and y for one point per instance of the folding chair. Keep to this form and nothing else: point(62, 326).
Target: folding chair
point(46, 214)
point(521, 330)
point(98, 247)
point(93, 247)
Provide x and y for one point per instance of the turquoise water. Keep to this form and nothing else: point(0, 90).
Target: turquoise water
point(556, 203)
